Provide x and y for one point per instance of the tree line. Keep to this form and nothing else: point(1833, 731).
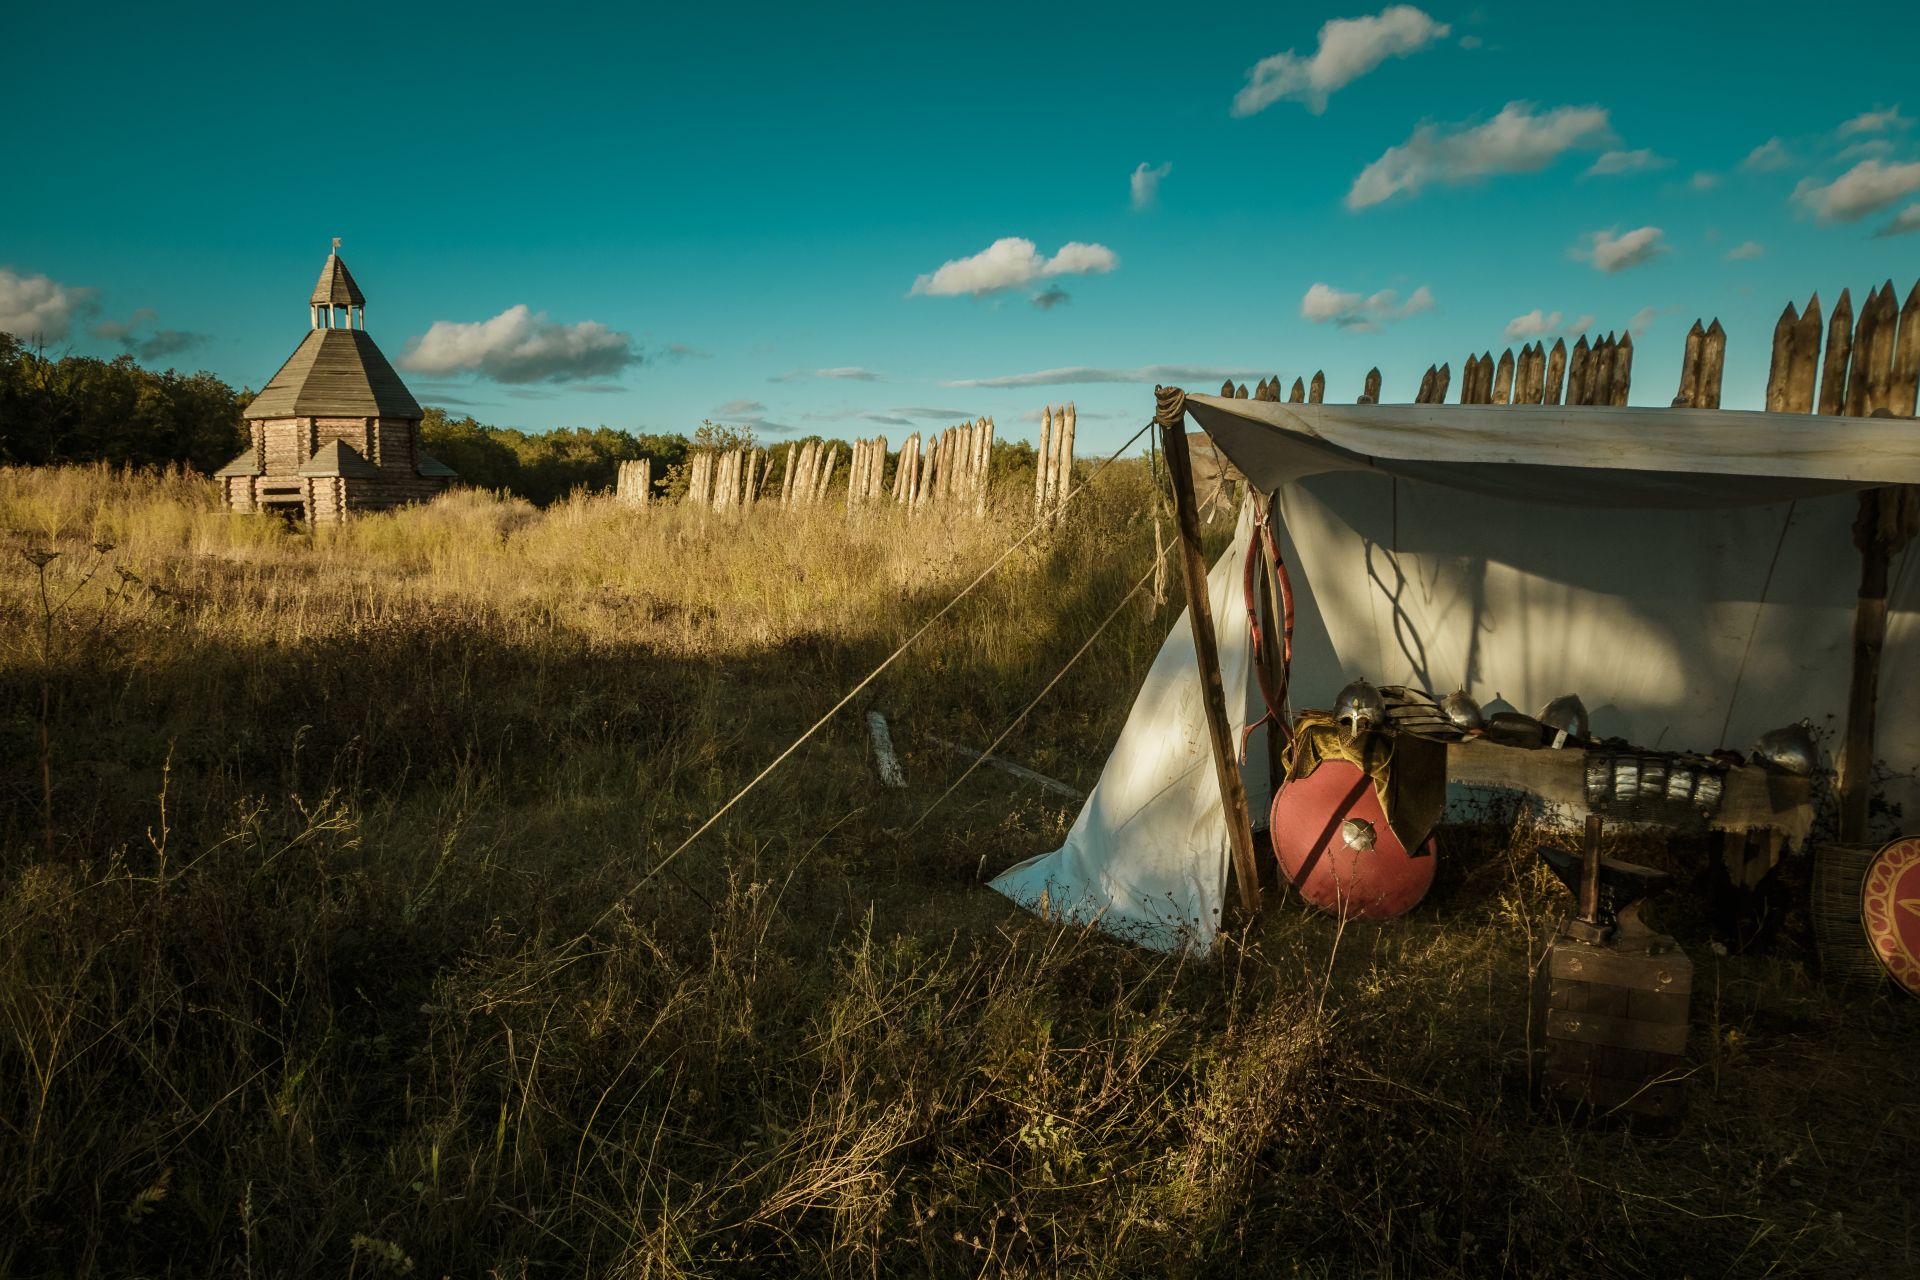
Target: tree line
point(79, 409)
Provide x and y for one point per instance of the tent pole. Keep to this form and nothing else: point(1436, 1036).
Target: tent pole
point(1888, 519)
point(1170, 414)
point(1273, 648)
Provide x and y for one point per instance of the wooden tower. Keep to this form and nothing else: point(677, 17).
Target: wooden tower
point(335, 430)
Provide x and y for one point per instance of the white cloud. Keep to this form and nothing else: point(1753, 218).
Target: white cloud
point(1769, 157)
point(1012, 263)
point(1516, 141)
point(1349, 48)
point(1612, 162)
point(1905, 221)
point(1874, 122)
point(1146, 183)
point(1861, 190)
point(1200, 376)
point(520, 345)
point(1471, 42)
point(1323, 304)
point(1534, 324)
point(1704, 181)
point(1610, 253)
point(1643, 320)
point(1746, 251)
point(1864, 149)
point(39, 309)
point(1581, 325)
point(845, 373)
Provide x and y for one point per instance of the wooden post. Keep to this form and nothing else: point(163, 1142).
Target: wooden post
point(1440, 381)
point(1783, 330)
point(1578, 364)
point(1193, 572)
point(1065, 479)
point(1622, 371)
point(1503, 378)
point(923, 489)
point(1906, 358)
point(1424, 394)
point(1317, 389)
point(1556, 372)
point(1689, 390)
point(1272, 647)
point(1713, 363)
point(1870, 381)
point(1600, 371)
point(1370, 391)
point(1888, 519)
point(1801, 383)
point(1833, 374)
point(1298, 395)
point(1041, 458)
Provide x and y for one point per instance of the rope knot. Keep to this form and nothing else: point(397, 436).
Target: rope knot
point(1169, 406)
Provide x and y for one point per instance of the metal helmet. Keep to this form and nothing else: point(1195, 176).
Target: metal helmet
point(1463, 711)
point(1567, 714)
point(1359, 709)
point(1789, 750)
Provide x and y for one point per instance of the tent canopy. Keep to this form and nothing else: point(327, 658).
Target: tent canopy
point(1585, 456)
point(1690, 574)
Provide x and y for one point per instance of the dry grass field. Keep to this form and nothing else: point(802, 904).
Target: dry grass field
point(327, 945)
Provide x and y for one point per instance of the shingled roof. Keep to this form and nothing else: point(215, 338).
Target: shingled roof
point(336, 287)
point(335, 373)
point(338, 458)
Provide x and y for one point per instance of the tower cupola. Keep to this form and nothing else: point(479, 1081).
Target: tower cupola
point(337, 300)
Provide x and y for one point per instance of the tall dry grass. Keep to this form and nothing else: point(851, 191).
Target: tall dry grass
point(338, 967)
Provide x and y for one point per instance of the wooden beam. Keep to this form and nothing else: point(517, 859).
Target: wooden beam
point(1877, 541)
point(1193, 572)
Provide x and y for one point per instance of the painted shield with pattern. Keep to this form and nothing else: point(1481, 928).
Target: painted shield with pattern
point(1890, 909)
point(1336, 849)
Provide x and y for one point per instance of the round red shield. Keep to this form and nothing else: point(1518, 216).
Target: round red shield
point(1336, 848)
point(1890, 909)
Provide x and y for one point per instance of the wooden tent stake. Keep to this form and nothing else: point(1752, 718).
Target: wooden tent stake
point(1193, 572)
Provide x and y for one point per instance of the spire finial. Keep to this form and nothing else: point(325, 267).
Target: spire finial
point(336, 245)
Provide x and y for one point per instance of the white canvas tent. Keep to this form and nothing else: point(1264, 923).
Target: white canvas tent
point(1690, 574)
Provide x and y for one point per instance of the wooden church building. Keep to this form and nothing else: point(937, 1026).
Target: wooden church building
point(335, 430)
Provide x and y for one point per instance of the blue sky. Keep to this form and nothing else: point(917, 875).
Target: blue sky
point(645, 218)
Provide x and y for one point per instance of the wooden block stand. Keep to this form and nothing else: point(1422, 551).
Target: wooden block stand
point(1609, 1032)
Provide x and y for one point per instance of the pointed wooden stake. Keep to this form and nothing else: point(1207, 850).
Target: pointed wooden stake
point(1622, 370)
point(1371, 392)
point(1440, 383)
point(1299, 393)
point(1833, 372)
point(1689, 392)
point(1777, 370)
point(1713, 363)
point(1556, 371)
point(1577, 371)
point(1906, 358)
point(1317, 389)
point(1600, 371)
point(1802, 382)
